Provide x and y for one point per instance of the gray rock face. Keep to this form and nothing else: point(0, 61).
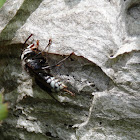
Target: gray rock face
point(104, 71)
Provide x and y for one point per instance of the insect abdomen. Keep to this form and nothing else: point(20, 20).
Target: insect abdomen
point(52, 82)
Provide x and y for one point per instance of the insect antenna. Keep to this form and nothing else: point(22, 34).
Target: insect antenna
point(27, 40)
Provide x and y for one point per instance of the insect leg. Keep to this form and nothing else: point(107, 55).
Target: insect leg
point(71, 93)
point(37, 43)
point(58, 63)
point(50, 42)
point(64, 59)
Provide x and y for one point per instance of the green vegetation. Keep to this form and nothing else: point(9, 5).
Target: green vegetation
point(2, 2)
point(3, 107)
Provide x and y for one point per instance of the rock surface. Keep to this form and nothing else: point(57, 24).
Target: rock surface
point(104, 73)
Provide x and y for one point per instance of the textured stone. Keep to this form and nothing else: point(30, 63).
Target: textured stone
point(103, 72)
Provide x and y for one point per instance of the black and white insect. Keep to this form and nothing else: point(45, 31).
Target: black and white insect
point(35, 62)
